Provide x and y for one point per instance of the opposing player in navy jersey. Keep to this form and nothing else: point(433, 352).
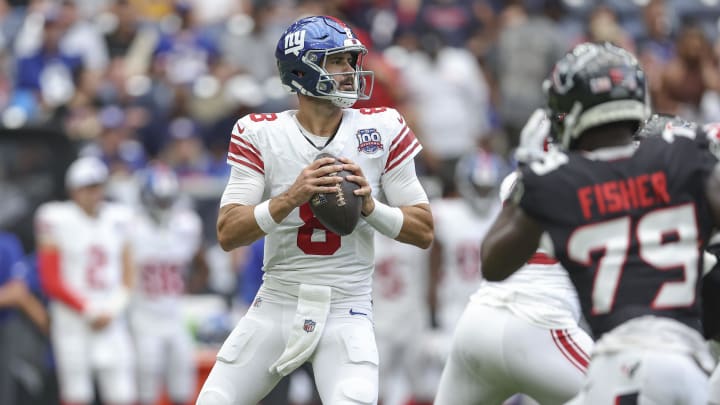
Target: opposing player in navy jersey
point(665, 125)
point(629, 223)
point(315, 301)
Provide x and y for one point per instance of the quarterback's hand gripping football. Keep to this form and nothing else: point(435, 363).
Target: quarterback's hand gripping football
point(365, 191)
point(532, 137)
point(314, 179)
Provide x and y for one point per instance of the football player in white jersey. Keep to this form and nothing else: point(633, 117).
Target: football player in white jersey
point(85, 265)
point(462, 216)
point(315, 301)
point(520, 335)
point(402, 313)
point(166, 238)
point(461, 221)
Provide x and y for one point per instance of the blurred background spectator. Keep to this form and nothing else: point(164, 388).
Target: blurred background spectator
point(528, 43)
point(139, 82)
point(25, 375)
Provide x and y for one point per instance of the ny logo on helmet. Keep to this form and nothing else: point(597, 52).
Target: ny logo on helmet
point(294, 42)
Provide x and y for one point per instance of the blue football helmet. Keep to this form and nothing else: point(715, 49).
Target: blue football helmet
point(301, 54)
point(478, 176)
point(159, 190)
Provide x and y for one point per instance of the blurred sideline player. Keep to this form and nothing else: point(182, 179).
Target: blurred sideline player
point(628, 222)
point(520, 335)
point(85, 264)
point(461, 220)
point(315, 302)
point(165, 239)
point(461, 217)
point(401, 315)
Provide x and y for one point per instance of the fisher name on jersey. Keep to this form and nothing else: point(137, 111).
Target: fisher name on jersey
point(274, 146)
point(627, 223)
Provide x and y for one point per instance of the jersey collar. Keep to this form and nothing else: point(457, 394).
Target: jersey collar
point(611, 153)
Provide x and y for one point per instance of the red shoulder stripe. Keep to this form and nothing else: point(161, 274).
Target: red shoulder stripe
point(398, 138)
point(401, 147)
point(242, 152)
point(245, 143)
point(232, 159)
point(408, 153)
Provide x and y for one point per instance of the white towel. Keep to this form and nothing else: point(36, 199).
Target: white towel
point(307, 328)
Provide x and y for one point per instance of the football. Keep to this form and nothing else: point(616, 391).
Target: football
point(339, 212)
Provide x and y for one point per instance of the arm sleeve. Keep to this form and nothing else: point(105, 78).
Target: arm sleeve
point(243, 151)
point(49, 271)
point(49, 260)
point(244, 187)
point(402, 187)
point(403, 147)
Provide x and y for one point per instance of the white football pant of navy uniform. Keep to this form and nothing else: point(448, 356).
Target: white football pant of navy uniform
point(648, 361)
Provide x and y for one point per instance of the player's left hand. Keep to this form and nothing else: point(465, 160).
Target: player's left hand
point(365, 191)
point(101, 321)
point(532, 137)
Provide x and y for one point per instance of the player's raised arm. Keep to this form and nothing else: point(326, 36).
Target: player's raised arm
point(510, 242)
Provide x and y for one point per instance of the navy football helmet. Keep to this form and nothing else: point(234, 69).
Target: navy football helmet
point(301, 54)
point(593, 85)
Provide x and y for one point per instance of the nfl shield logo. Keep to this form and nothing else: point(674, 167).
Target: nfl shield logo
point(369, 141)
point(309, 325)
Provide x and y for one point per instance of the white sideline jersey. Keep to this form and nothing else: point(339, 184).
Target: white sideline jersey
point(540, 293)
point(460, 231)
point(400, 286)
point(162, 254)
point(303, 251)
point(90, 247)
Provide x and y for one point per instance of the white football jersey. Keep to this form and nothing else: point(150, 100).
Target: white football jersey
point(400, 286)
point(301, 250)
point(162, 254)
point(540, 292)
point(460, 231)
point(90, 247)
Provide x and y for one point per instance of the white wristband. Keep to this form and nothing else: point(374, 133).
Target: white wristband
point(262, 215)
point(386, 219)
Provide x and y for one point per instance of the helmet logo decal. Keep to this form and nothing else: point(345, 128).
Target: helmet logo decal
point(600, 84)
point(294, 42)
point(369, 141)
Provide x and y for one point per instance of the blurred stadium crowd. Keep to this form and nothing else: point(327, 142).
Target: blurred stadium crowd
point(141, 81)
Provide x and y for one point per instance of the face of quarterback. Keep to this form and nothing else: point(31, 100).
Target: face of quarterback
point(342, 67)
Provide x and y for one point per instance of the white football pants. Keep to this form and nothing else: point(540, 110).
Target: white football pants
point(345, 361)
point(496, 354)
